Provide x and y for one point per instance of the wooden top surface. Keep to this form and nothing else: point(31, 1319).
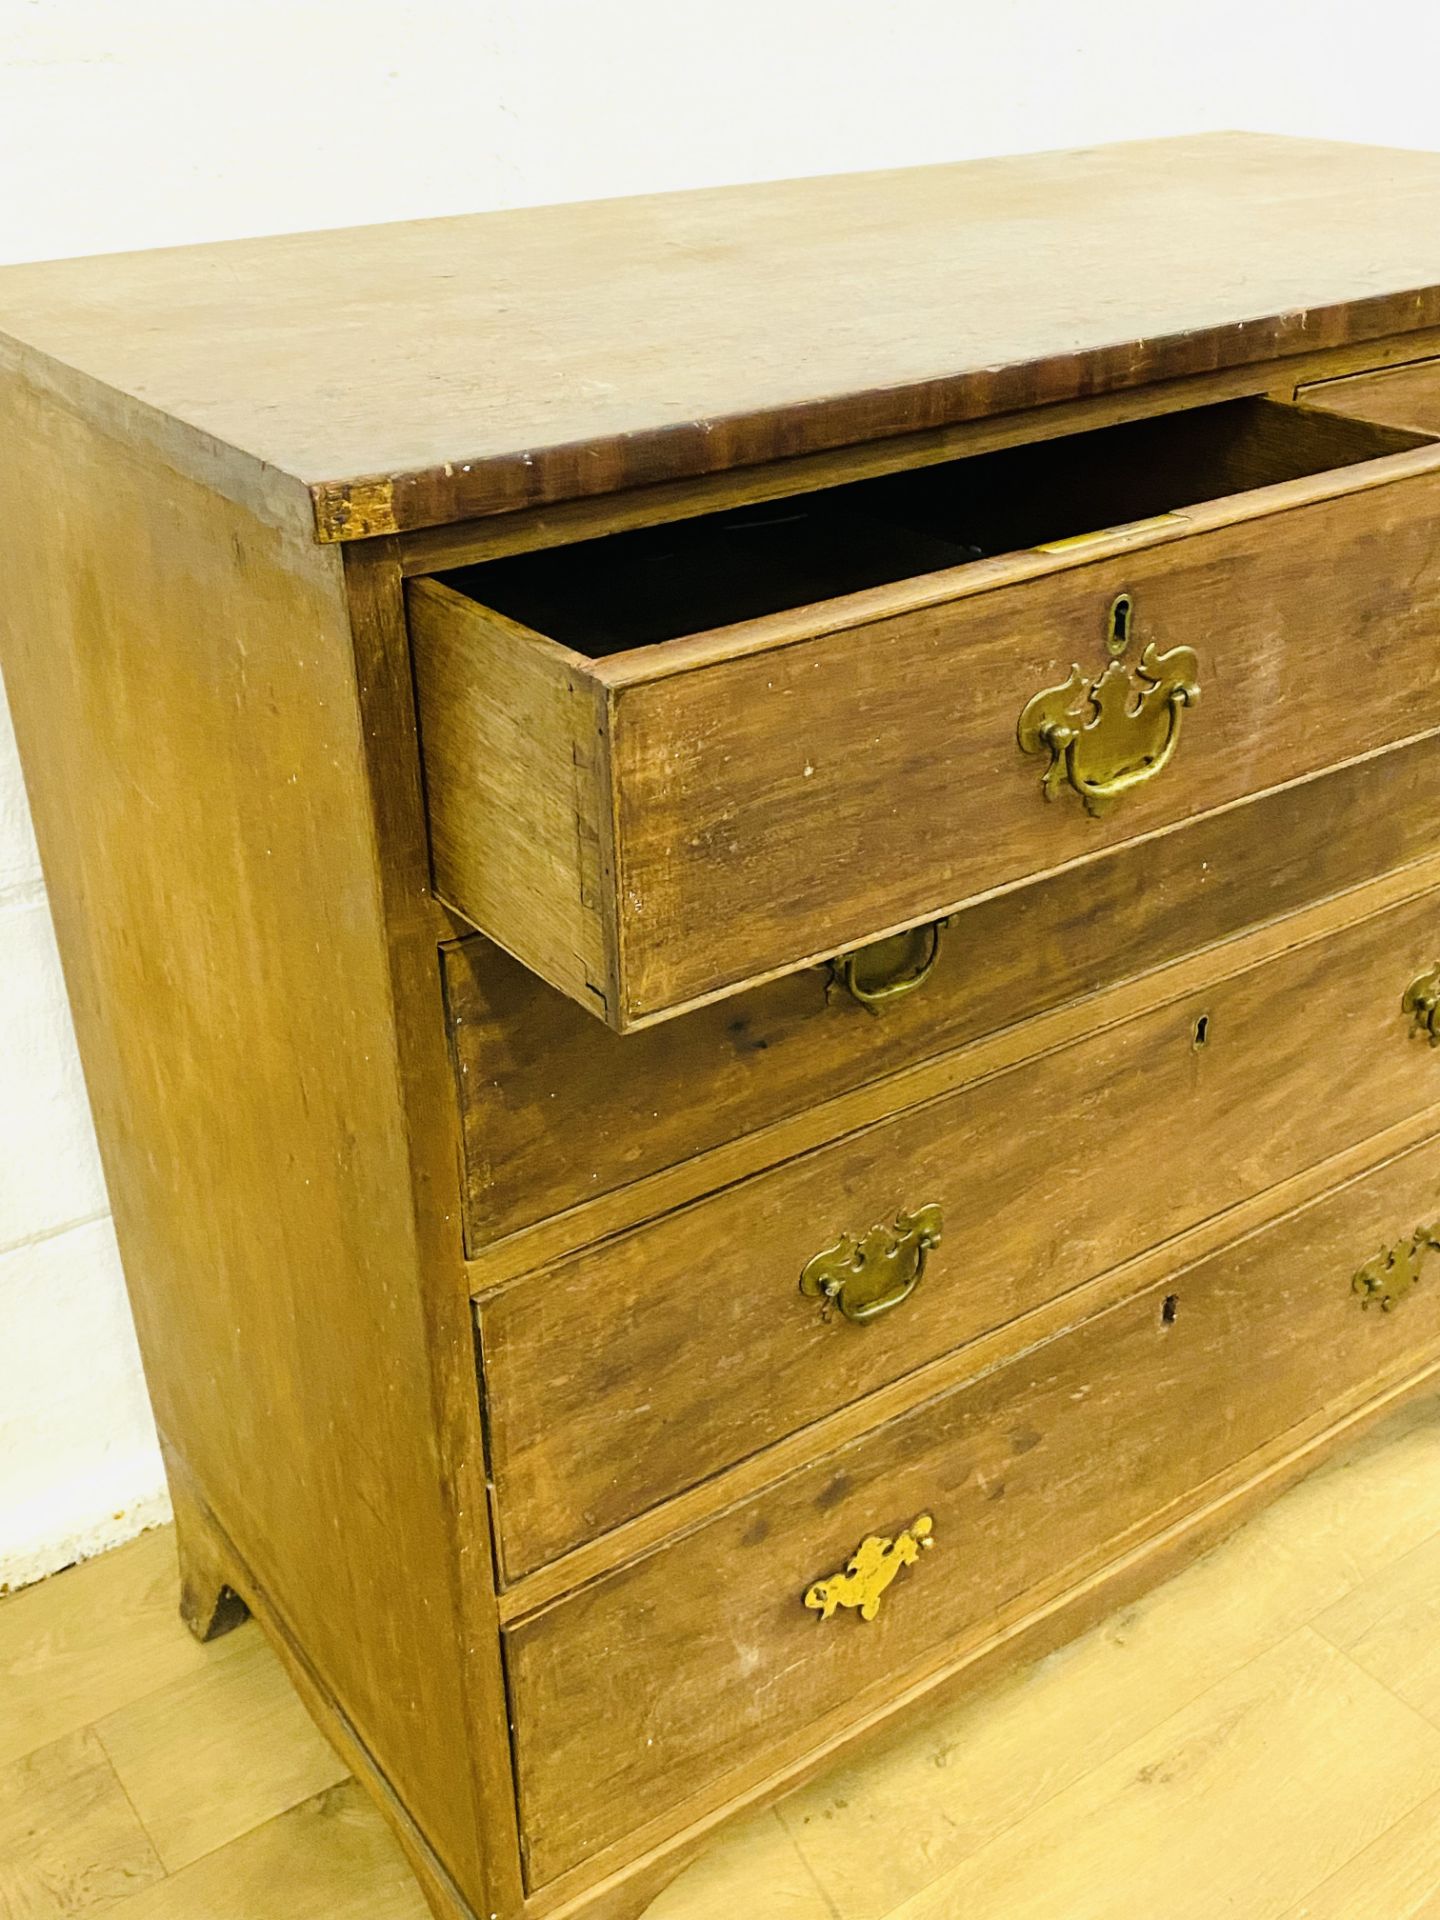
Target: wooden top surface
point(427, 371)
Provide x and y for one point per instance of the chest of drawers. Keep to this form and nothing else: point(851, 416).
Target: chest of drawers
point(749, 882)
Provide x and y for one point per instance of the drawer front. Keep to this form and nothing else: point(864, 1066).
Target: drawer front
point(557, 1110)
point(808, 796)
point(673, 822)
point(617, 1377)
point(687, 1663)
point(1405, 396)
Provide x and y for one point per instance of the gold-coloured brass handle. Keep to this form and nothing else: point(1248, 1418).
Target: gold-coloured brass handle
point(1422, 1002)
point(866, 976)
point(870, 1274)
point(1109, 734)
point(863, 1584)
point(1385, 1280)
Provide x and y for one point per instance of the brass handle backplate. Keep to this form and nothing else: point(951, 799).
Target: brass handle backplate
point(863, 1584)
point(1385, 1280)
point(1422, 1003)
point(887, 970)
point(1109, 733)
point(870, 1274)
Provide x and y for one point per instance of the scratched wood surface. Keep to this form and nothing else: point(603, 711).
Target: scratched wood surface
point(1350, 1557)
point(601, 1372)
point(416, 373)
point(216, 716)
point(637, 1104)
point(184, 688)
point(812, 779)
point(832, 742)
point(1404, 396)
point(1034, 1475)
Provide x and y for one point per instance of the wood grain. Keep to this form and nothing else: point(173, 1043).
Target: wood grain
point(1404, 396)
point(878, 1830)
point(92, 1643)
point(755, 1473)
point(758, 1854)
point(1389, 1628)
point(557, 1110)
point(647, 1364)
point(438, 1885)
point(778, 779)
point(911, 1806)
point(204, 1760)
point(502, 1262)
point(811, 796)
point(183, 683)
point(695, 576)
point(413, 926)
point(219, 724)
point(512, 358)
point(528, 530)
point(210, 1606)
point(70, 1843)
point(1397, 1877)
point(1302, 1700)
point(331, 1856)
point(703, 1650)
point(527, 845)
point(1022, 1632)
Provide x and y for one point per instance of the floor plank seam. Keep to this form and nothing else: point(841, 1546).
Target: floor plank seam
point(811, 1875)
point(1363, 1548)
point(94, 1730)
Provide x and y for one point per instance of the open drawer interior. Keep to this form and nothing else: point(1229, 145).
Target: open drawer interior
point(635, 589)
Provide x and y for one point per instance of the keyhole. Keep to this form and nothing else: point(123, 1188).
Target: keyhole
point(1121, 609)
point(1170, 1306)
point(1202, 1030)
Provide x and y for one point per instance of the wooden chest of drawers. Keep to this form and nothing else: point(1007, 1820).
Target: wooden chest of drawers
point(750, 884)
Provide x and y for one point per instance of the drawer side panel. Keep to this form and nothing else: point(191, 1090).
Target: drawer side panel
point(512, 742)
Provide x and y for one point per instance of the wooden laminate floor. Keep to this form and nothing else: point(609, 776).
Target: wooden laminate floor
point(1259, 1739)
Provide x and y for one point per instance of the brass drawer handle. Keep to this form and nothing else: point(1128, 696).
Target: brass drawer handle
point(877, 1560)
point(1110, 734)
point(867, 1275)
point(1385, 1280)
point(1422, 1003)
point(848, 970)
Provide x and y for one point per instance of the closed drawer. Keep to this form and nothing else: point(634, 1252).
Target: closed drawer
point(617, 1377)
point(649, 820)
point(687, 1663)
point(556, 1110)
point(1406, 396)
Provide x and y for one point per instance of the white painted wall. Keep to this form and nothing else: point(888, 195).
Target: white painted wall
point(163, 121)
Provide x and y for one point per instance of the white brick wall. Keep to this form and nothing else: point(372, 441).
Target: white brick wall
point(160, 122)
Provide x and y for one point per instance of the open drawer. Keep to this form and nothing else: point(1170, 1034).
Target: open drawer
point(666, 764)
